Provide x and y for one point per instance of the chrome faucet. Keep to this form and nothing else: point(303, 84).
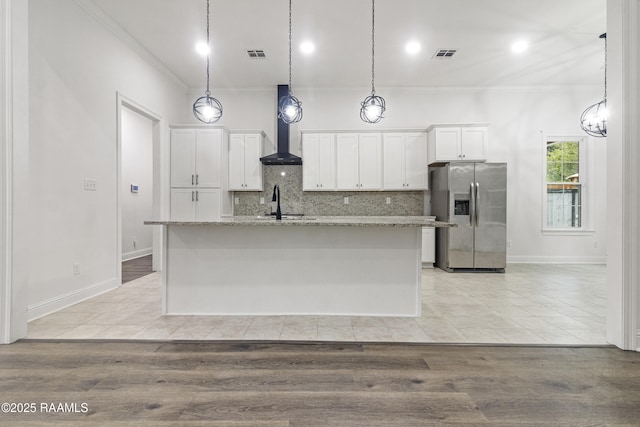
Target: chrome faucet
point(276, 198)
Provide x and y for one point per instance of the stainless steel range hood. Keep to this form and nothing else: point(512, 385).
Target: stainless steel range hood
point(283, 156)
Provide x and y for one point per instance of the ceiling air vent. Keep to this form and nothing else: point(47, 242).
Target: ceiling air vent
point(444, 53)
point(256, 54)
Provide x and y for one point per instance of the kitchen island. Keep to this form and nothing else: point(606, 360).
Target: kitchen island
point(365, 266)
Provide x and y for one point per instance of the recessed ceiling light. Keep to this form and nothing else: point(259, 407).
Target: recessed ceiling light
point(307, 47)
point(520, 46)
point(412, 48)
point(202, 48)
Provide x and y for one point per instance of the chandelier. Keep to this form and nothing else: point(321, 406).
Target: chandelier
point(206, 108)
point(594, 119)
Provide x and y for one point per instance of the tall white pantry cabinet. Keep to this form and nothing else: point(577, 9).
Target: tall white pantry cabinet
point(199, 188)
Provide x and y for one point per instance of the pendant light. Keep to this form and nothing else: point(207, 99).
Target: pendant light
point(206, 108)
point(373, 107)
point(289, 107)
point(594, 119)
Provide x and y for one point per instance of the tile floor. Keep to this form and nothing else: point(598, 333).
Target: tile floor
point(529, 304)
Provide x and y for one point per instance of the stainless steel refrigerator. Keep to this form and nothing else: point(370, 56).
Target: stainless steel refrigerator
point(474, 197)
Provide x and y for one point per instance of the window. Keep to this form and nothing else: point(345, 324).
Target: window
point(565, 178)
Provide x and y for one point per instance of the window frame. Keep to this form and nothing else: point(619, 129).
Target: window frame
point(584, 169)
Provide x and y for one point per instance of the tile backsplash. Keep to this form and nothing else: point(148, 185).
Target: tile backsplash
point(294, 200)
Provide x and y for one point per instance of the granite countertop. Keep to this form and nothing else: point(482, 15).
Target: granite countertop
point(352, 221)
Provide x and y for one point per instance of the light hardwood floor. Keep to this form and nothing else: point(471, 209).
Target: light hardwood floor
point(318, 385)
point(529, 304)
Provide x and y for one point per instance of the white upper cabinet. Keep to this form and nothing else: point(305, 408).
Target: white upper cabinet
point(319, 161)
point(183, 157)
point(245, 168)
point(405, 161)
point(359, 161)
point(208, 158)
point(449, 143)
point(196, 157)
point(198, 174)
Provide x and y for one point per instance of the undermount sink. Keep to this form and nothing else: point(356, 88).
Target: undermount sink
point(285, 216)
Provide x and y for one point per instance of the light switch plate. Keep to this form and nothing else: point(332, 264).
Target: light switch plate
point(90, 185)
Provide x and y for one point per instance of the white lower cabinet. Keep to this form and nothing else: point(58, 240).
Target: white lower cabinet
point(196, 204)
point(428, 247)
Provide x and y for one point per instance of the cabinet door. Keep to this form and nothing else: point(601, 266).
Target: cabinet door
point(347, 174)
point(474, 143)
point(428, 245)
point(183, 204)
point(208, 158)
point(252, 164)
point(327, 161)
point(183, 154)
point(447, 141)
point(370, 161)
point(415, 155)
point(311, 162)
point(236, 162)
point(394, 161)
point(207, 204)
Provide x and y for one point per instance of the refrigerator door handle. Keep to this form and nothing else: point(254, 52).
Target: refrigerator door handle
point(472, 210)
point(476, 208)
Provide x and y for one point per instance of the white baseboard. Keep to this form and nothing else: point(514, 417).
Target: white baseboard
point(137, 254)
point(52, 305)
point(555, 260)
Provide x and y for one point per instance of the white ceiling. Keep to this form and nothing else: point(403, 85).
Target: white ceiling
point(563, 35)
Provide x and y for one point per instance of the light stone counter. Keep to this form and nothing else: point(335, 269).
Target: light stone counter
point(351, 221)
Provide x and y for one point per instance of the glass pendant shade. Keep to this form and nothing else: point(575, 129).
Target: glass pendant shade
point(207, 109)
point(373, 108)
point(594, 119)
point(289, 109)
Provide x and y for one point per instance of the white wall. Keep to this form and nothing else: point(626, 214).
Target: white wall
point(14, 173)
point(518, 118)
point(137, 168)
point(76, 68)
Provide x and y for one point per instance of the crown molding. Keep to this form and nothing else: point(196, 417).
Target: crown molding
point(98, 14)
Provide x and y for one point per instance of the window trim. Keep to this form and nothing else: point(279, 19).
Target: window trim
point(585, 178)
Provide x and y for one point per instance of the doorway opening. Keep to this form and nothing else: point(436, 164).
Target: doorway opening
point(139, 184)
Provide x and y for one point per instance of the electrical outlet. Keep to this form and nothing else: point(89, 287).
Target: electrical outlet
point(388, 200)
point(237, 200)
point(346, 200)
point(76, 269)
point(262, 200)
point(595, 243)
point(90, 185)
point(508, 243)
point(135, 242)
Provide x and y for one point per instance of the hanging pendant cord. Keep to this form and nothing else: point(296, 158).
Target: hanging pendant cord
point(373, 46)
point(605, 65)
point(289, 47)
point(207, 92)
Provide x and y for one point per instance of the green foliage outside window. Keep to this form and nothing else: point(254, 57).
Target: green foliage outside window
point(563, 161)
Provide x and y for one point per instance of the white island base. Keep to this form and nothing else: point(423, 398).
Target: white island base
point(213, 269)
